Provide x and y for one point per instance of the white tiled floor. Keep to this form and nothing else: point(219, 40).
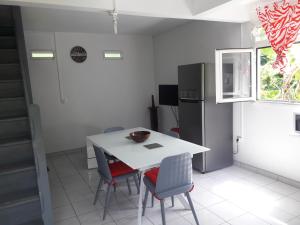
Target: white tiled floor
point(230, 196)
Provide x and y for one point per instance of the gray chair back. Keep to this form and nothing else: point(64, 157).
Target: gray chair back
point(113, 129)
point(103, 167)
point(172, 134)
point(175, 175)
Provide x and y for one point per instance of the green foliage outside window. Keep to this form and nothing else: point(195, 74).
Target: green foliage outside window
point(273, 84)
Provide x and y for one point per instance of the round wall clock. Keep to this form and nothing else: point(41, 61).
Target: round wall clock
point(78, 54)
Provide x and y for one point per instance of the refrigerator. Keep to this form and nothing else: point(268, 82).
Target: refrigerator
point(201, 120)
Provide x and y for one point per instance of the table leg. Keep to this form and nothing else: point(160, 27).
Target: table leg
point(183, 201)
point(140, 204)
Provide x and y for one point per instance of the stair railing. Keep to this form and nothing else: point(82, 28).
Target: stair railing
point(41, 163)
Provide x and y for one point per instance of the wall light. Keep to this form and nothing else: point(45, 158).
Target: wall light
point(113, 54)
point(42, 54)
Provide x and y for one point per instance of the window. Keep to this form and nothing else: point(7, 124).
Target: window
point(42, 54)
point(273, 86)
point(235, 75)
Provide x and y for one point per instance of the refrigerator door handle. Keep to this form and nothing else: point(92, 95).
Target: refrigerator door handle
point(190, 100)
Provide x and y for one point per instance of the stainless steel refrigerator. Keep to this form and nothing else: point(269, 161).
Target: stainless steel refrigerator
point(201, 120)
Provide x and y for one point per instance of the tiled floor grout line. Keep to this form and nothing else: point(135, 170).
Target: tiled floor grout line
point(63, 187)
point(276, 193)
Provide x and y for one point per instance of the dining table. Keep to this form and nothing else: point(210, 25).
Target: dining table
point(143, 156)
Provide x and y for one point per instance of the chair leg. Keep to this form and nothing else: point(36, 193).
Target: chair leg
point(97, 191)
point(172, 199)
point(135, 177)
point(162, 208)
point(115, 187)
point(192, 207)
point(128, 185)
point(145, 201)
point(107, 198)
point(152, 201)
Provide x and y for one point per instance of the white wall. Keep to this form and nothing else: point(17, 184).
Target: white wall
point(99, 93)
point(191, 43)
point(267, 128)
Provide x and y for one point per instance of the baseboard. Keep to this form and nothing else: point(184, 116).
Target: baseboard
point(268, 174)
point(69, 151)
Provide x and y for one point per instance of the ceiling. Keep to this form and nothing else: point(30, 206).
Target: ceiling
point(50, 20)
point(135, 16)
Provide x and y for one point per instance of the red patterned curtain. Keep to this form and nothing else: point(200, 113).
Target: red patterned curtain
point(281, 23)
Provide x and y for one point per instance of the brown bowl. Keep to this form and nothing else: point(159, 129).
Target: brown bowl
point(139, 136)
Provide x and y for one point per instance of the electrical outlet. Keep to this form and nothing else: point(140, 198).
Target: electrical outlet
point(238, 138)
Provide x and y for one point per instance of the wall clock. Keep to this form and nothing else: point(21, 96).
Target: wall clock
point(78, 54)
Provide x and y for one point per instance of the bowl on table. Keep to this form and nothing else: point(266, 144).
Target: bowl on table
point(139, 136)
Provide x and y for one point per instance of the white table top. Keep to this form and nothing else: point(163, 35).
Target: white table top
point(136, 155)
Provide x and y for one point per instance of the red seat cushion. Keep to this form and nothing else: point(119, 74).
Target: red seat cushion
point(152, 175)
point(119, 169)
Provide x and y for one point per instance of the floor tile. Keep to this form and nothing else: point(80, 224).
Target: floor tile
point(95, 218)
point(295, 221)
point(260, 179)
point(295, 196)
point(274, 216)
point(282, 188)
point(205, 198)
point(79, 194)
point(220, 198)
point(59, 197)
point(247, 219)
point(132, 220)
point(154, 214)
point(226, 210)
point(289, 205)
point(85, 206)
point(70, 221)
point(205, 217)
point(62, 213)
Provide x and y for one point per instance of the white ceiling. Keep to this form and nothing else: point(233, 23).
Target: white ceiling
point(136, 16)
point(49, 19)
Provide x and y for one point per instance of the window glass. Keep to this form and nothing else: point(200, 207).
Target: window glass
point(274, 86)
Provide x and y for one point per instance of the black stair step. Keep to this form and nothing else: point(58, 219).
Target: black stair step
point(9, 56)
point(11, 88)
point(15, 141)
point(10, 71)
point(12, 107)
point(7, 30)
point(8, 42)
point(14, 119)
point(34, 222)
point(17, 168)
point(6, 18)
point(17, 198)
point(14, 128)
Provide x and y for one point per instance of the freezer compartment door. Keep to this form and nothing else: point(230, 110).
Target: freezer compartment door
point(190, 121)
point(218, 136)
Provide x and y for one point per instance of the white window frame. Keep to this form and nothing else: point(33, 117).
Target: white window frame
point(219, 75)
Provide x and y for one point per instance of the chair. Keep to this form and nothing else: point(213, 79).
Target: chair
point(113, 129)
point(174, 177)
point(175, 135)
point(112, 174)
point(172, 134)
point(109, 130)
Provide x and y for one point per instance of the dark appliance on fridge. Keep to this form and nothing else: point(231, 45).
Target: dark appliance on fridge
point(201, 120)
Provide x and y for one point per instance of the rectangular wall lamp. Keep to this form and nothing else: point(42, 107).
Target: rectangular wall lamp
point(113, 54)
point(42, 54)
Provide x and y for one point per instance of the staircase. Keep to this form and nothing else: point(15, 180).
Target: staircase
point(20, 195)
